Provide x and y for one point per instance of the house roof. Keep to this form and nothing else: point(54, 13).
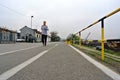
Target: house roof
point(4, 29)
point(25, 27)
point(32, 29)
point(37, 31)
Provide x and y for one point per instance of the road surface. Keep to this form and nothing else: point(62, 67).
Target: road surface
point(56, 61)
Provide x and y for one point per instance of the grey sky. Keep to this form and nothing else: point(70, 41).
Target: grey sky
point(63, 16)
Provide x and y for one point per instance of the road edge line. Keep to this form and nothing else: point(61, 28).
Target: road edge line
point(11, 72)
point(102, 67)
point(6, 75)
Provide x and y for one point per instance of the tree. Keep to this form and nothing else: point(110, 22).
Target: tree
point(73, 38)
point(54, 36)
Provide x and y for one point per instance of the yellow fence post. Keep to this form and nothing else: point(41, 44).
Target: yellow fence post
point(102, 40)
point(102, 30)
point(68, 42)
point(80, 38)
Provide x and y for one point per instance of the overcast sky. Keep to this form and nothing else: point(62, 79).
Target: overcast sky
point(63, 16)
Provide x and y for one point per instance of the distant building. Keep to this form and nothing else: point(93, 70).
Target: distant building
point(48, 38)
point(30, 35)
point(18, 35)
point(7, 36)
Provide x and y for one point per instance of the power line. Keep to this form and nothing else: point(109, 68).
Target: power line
point(12, 10)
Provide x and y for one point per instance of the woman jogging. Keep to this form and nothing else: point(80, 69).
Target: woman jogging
point(44, 29)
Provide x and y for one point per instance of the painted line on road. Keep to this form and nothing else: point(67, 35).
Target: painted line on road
point(14, 70)
point(105, 69)
point(53, 47)
point(17, 50)
point(6, 75)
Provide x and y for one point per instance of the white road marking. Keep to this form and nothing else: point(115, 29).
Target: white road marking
point(17, 50)
point(105, 69)
point(14, 70)
point(53, 47)
point(6, 75)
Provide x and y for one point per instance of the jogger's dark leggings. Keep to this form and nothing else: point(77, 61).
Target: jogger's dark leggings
point(44, 39)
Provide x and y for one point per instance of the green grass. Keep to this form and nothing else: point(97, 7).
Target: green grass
point(106, 50)
point(112, 52)
point(96, 54)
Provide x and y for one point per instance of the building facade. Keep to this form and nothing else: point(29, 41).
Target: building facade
point(30, 35)
point(7, 36)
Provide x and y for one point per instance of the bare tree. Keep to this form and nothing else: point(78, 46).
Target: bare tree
point(54, 36)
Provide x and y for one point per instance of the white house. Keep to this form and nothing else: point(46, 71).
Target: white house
point(30, 35)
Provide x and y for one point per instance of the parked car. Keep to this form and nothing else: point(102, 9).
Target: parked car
point(20, 40)
point(98, 48)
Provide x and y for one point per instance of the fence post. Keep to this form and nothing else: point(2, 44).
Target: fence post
point(102, 40)
point(80, 38)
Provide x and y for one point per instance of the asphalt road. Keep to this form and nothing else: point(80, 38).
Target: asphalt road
point(56, 61)
point(18, 46)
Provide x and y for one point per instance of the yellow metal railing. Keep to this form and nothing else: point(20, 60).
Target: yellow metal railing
point(102, 30)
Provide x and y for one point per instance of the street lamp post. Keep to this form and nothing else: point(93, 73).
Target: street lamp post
point(31, 20)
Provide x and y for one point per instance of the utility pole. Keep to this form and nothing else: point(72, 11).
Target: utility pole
point(31, 20)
